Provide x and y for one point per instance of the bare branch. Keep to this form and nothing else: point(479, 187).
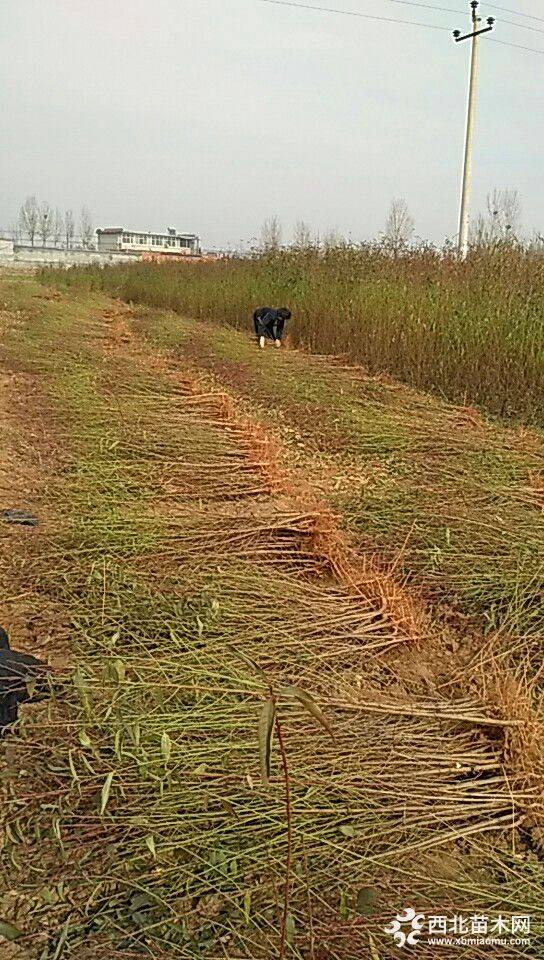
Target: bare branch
point(69, 228)
point(45, 222)
point(502, 221)
point(86, 228)
point(29, 216)
point(399, 227)
point(14, 230)
point(332, 239)
point(57, 230)
point(302, 236)
point(271, 234)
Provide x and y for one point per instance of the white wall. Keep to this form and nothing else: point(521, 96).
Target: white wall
point(6, 250)
point(15, 254)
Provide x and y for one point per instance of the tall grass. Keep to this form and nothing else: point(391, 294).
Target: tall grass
point(473, 332)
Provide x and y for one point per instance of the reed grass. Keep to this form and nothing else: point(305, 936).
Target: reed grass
point(450, 498)
point(472, 332)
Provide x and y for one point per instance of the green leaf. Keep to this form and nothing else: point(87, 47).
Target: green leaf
point(248, 661)
point(13, 833)
point(374, 955)
point(344, 906)
point(61, 941)
point(347, 831)
point(48, 896)
point(310, 705)
point(227, 805)
point(19, 830)
point(247, 906)
point(134, 731)
point(290, 928)
point(84, 740)
point(266, 727)
point(365, 901)
point(105, 794)
point(73, 770)
point(82, 691)
point(150, 844)
point(119, 670)
point(9, 932)
point(166, 746)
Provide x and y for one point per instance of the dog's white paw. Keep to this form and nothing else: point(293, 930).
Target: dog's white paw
point(278, 343)
point(261, 343)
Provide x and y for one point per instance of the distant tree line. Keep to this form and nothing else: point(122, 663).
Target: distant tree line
point(39, 223)
point(498, 224)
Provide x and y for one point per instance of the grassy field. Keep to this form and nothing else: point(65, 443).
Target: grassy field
point(453, 500)
point(187, 569)
point(471, 332)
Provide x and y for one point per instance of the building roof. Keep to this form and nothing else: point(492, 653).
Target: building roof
point(149, 233)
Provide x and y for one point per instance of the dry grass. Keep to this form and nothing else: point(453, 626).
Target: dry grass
point(472, 332)
point(445, 498)
point(364, 575)
point(141, 793)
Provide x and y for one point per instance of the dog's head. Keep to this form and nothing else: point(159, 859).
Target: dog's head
point(284, 313)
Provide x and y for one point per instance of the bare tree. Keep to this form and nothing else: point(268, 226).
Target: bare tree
point(86, 229)
point(332, 239)
point(480, 234)
point(69, 228)
point(399, 227)
point(504, 214)
point(29, 215)
point(302, 235)
point(57, 229)
point(537, 242)
point(14, 230)
point(271, 234)
point(45, 222)
point(501, 222)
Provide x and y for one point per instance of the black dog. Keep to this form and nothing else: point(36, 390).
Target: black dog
point(16, 671)
point(269, 324)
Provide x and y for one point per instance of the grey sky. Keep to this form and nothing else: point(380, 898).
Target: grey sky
point(210, 115)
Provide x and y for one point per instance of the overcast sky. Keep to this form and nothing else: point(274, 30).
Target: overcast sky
point(210, 115)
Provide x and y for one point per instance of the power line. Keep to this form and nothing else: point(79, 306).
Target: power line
point(517, 46)
point(415, 23)
point(433, 6)
point(351, 13)
point(494, 6)
point(427, 6)
point(520, 26)
point(517, 13)
point(411, 23)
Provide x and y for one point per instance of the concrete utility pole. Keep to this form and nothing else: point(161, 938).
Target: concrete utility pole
point(471, 111)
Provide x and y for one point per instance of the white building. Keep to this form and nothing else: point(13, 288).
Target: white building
point(117, 238)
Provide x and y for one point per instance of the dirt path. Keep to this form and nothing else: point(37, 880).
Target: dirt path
point(185, 556)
